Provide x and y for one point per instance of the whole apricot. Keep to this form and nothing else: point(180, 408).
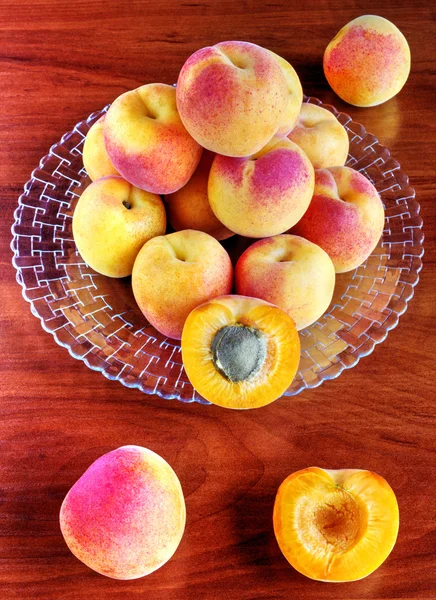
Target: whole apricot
point(232, 97)
point(112, 221)
point(368, 61)
point(345, 217)
point(126, 514)
point(263, 194)
point(175, 273)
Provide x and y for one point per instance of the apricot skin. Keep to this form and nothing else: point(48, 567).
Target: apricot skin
point(95, 157)
point(176, 273)
point(189, 207)
point(295, 95)
point(290, 272)
point(125, 516)
point(368, 61)
point(232, 97)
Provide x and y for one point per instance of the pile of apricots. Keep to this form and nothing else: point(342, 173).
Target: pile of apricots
point(233, 150)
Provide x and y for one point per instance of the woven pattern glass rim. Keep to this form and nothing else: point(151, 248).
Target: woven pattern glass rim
point(96, 317)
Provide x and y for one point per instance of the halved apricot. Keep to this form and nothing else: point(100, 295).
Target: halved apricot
point(335, 525)
point(240, 352)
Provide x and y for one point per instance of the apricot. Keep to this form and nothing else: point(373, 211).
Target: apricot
point(345, 217)
point(175, 273)
point(189, 207)
point(295, 97)
point(368, 61)
point(126, 514)
point(147, 142)
point(111, 222)
point(240, 352)
point(232, 97)
point(264, 194)
point(336, 525)
point(95, 157)
point(290, 272)
point(321, 136)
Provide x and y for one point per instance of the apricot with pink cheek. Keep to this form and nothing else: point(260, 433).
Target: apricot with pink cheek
point(232, 97)
point(368, 61)
point(264, 194)
point(345, 217)
point(126, 514)
point(147, 142)
point(290, 272)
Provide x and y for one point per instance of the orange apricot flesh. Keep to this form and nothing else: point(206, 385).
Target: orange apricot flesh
point(335, 525)
point(240, 352)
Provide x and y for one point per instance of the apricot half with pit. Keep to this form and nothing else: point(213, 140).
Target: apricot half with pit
point(240, 352)
point(335, 525)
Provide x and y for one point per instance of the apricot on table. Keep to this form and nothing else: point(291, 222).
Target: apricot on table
point(263, 194)
point(126, 514)
point(95, 157)
point(321, 136)
point(189, 207)
point(368, 61)
point(175, 273)
point(290, 272)
point(240, 352)
point(147, 141)
point(335, 525)
point(111, 222)
point(345, 217)
point(232, 97)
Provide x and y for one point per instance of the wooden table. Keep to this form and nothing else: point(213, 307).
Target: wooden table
point(61, 60)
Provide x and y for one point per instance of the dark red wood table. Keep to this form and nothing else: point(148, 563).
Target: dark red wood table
point(61, 60)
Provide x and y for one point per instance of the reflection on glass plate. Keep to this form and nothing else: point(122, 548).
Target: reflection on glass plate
point(97, 320)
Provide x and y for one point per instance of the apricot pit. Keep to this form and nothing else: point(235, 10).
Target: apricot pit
point(238, 352)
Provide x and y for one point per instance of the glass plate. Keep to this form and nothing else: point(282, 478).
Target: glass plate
point(97, 320)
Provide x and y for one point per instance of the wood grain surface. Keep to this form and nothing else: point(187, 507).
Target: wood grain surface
point(61, 60)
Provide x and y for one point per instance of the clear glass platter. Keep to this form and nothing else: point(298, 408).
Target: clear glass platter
point(97, 320)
